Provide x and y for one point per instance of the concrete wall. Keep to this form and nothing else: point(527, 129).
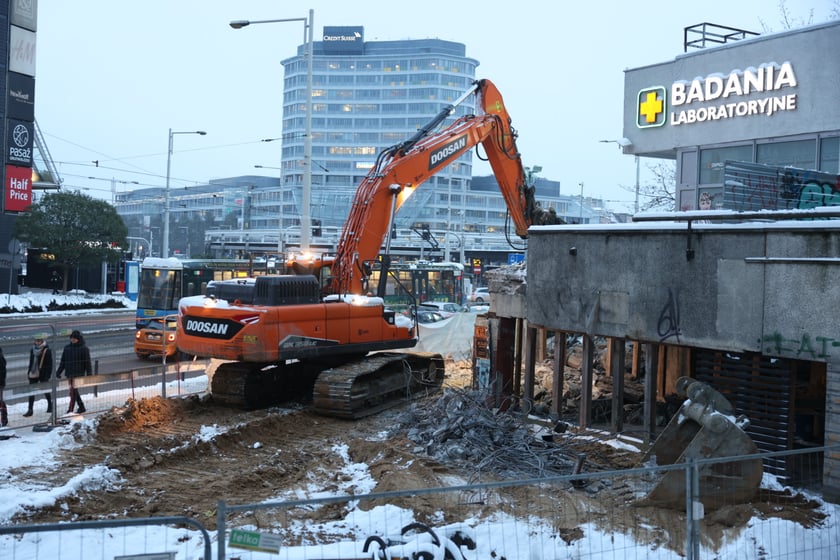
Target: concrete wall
point(772, 288)
point(755, 287)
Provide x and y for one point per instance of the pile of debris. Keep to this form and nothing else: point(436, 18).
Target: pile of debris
point(460, 428)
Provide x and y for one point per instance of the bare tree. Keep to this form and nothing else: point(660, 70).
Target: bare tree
point(789, 21)
point(659, 192)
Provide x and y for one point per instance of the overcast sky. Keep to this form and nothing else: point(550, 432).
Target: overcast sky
point(113, 77)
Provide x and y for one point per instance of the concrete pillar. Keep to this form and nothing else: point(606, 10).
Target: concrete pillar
point(649, 409)
point(586, 378)
point(530, 369)
point(517, 357)
point(616, 352)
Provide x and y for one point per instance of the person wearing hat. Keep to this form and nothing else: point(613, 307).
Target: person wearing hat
point(40, 369)
point(75, 360)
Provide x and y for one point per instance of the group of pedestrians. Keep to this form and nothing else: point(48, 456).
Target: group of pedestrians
point(75, 362)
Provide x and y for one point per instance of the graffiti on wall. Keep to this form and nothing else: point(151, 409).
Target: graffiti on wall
point(668, 324)
point(754, 186)
point(802, 347)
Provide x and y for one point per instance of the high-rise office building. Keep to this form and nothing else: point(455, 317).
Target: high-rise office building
point(366, 97)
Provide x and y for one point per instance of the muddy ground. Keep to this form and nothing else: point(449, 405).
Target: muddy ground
point(168, 468)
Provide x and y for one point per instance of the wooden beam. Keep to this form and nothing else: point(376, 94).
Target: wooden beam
point(558, 374)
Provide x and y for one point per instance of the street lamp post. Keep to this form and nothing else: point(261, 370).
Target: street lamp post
point(581, 202)
point(165, 252)
point(281, 245)
point(187, 234)
point(308, 31)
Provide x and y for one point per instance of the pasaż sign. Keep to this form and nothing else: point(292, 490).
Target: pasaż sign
point(19, 141)
point(18, 188)
point(252, 540)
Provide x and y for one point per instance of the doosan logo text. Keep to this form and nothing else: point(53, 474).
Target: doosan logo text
point(206, 327)
point(446, 152)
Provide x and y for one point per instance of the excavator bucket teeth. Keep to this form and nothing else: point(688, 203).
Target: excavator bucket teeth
point(703, 428)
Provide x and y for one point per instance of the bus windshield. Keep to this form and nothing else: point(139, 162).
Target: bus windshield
point(163, 282)
point(159, 289)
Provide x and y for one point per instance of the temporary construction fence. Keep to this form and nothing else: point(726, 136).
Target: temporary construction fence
point(99, 392)
point(605, 515)
point(103, 392)
point(108, 538)
point(591, 515)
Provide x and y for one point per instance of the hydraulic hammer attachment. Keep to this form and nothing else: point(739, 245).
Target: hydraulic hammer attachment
point(704, 427)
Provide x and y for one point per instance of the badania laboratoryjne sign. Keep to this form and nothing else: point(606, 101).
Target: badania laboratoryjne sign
point(720, 96)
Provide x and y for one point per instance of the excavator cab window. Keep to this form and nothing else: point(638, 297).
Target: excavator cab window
point(325, 278)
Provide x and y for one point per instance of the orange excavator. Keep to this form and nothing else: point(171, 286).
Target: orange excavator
point(320, 322)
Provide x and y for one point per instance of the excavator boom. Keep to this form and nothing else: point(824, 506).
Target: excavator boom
point(401, 169)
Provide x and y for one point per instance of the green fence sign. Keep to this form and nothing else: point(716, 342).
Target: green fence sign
point(253, 540)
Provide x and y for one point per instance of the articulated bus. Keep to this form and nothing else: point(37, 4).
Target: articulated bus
point(422, 281)
point(162, 283)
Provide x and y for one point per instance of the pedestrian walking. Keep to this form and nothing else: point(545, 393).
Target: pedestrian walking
point(75, 361)
point(4, 413)
point(40, 369)
point(55, 282)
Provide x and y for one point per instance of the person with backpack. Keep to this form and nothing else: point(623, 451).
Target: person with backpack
point(40, 369)
point(75, 361)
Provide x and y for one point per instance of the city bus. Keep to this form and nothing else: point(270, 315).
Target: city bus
point(162, 283)
point(420, 281)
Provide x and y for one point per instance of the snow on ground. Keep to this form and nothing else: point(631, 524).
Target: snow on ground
point(30, 300)
point(501, 537)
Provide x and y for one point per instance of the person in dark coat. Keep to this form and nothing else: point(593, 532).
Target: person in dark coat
point(40, 369)
point(75, 361)
point(4, 415)
point(55, 282)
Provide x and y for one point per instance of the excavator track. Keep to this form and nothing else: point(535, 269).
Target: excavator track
point(350, 390)
point(377, 382)
point(255, 385)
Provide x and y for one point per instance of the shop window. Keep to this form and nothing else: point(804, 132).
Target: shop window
point(797, 153)
point(830, 155)
point(712, 159)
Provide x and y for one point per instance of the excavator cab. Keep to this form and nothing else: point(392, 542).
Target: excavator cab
point(704, 427)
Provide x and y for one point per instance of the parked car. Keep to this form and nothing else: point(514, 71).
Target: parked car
point(149, 341)
point(445, 308)
point(425, 316)
point(481, 295)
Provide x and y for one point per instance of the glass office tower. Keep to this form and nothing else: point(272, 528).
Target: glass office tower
point(368, 96)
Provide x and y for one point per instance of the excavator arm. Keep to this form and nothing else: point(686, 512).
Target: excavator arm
point(401, 169)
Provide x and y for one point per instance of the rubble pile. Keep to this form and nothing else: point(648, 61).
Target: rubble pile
point(459, 428)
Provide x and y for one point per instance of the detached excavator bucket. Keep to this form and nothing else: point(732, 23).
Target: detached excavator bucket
point(704, 427)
